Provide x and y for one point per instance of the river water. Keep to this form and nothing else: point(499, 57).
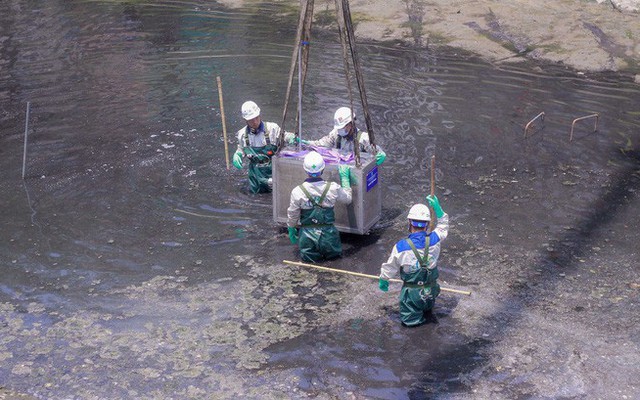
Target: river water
point(135, 265)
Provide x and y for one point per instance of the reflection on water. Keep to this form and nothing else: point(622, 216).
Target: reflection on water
point(146, 244)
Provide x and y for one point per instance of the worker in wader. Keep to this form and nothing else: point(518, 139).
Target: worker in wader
point(415, 258)
point(311, 211)
point(257, 142)
point(344, 135)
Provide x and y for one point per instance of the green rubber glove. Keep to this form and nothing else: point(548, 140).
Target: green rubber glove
point(293, 235)
point(237, 159)
point(296, 139)
point(345, 181)
point(383, 285)
point(380, 157)
point(435, 204)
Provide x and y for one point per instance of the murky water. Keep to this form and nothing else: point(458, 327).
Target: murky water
point(134, 264)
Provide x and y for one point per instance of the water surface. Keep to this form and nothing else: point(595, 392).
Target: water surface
point(135, 265)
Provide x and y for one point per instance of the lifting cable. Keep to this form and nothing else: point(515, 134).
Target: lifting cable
point(344, 13)
point(347, 39)
point(342, 31)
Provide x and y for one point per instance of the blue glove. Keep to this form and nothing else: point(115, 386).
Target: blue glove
point(383, 285)
point(237, 159)
point(345, 181)
point(293, 235)
point(380, 157)
point(435, 204)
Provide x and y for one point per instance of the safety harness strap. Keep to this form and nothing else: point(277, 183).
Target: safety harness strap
point(266, 136)
point(424, 261)
point(245, 137)
point(311, 199)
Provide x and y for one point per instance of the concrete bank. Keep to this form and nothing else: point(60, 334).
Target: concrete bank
point(594, 35)
point(583, 35)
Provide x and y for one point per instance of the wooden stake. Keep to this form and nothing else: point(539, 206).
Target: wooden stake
point(224, 123)
point(365, 275)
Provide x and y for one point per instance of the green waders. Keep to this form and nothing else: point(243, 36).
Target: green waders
point(319, 238)
point(260, 167)
point(420, 289)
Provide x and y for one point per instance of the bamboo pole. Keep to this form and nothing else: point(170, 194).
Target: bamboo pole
point(224, 123)
point(300, 96)
point(433, 175)
point(365, 275)
point(433, 192)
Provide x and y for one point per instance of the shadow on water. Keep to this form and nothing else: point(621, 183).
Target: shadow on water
point(569, 248)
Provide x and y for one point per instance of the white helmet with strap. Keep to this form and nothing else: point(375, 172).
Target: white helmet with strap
point(342, 117)
point(313, 163)
point(250, 110)
point(419, 215)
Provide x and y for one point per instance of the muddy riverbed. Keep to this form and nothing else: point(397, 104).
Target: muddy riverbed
point(135, 265)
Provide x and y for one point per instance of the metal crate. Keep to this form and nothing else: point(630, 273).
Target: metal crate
point(358, 217)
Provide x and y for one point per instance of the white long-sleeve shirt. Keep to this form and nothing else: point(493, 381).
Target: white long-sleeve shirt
point(299, 200)
point(346, 146)
point(258, 139)
point(402, 255)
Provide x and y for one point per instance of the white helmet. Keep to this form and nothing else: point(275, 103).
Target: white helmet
point(419, 215)
point(313, 163)
point(342, 117)
point(250, 110)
